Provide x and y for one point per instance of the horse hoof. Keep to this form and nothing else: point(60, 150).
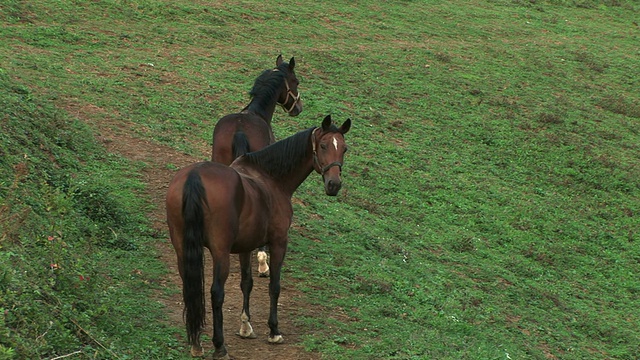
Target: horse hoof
point(278, 339)
point(263, 274)
point(221, 355)
point(197, 352)
point(252, 335)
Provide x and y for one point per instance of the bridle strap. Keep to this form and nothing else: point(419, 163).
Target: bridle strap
point(316, 163)
point(335, 163)
point(290, 93)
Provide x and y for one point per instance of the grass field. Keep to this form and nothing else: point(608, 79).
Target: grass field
point(491, 201)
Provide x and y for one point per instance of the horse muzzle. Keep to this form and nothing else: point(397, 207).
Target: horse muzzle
point(332, 180)
point(296, 109)
point(330, 174)
point(332, 185)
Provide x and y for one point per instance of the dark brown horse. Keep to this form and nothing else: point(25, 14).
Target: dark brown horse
point(250, 129)
point(237, 208)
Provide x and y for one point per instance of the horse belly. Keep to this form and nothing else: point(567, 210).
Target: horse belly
point(251, 235)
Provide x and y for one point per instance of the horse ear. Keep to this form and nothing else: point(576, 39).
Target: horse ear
point(279, 60)
point(292, 63)
point(344, 128)
point(326, 123)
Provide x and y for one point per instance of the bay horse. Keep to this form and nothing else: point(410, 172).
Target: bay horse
point(237, 208)
point(250, 129)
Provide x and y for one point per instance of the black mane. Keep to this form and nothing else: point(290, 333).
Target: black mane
point(267, 86)
point(280, 158)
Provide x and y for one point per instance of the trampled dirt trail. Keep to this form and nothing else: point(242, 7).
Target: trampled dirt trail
point(157, 177)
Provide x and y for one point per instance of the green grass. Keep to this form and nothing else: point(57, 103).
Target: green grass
point(74, 245)
point(491, 198)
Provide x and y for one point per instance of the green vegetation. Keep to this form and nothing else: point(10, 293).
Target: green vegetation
point(491, 199)
point(73, 251)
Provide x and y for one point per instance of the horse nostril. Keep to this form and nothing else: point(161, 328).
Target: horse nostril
point(297, 109)
point(333, 186)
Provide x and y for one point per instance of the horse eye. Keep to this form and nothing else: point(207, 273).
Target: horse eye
point(323, 146)
point(345, 149)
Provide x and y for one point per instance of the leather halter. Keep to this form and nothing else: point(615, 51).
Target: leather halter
point(316, 163)
point(290, 93)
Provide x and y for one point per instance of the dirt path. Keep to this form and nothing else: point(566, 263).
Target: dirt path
point(157, 177)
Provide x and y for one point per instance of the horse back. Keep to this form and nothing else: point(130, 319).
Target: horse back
point(257, 131)
point(222, 201)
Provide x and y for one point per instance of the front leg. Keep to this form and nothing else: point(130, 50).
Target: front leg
point(277, 252)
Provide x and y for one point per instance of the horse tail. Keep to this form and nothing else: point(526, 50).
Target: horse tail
point(194, 238)
point(240, 144)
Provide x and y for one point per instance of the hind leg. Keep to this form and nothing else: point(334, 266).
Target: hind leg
point(246, 284)
point(277, 250)
point(263, 266)
point(220, 274)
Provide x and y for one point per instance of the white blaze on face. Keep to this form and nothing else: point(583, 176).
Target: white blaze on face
point(335, 143)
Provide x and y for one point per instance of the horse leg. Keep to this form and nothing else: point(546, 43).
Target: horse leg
point(277, 257)
point(246, 284)
point(263, 267)
point(220, 274)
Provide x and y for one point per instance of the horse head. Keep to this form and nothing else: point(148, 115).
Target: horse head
point(290, 99)
point(329, 148)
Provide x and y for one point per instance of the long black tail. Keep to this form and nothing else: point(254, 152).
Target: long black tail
point(240, 144)
point(193, 201)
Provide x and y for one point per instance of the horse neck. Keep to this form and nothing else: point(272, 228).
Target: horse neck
point(265, 112)
point(264, 105)
point(284, 164)
point(291, 181)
